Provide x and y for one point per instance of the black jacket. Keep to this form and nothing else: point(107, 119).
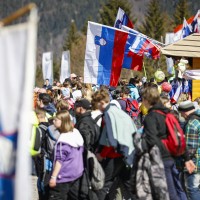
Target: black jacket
point(155, 130)
point(85, 125)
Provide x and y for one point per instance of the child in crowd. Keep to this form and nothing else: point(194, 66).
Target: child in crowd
point(68, 160)
point(166, 102)
point(42, 172)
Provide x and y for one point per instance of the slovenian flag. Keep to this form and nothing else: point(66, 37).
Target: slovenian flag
point(105, 53)
point(196, 23)
point(122, 19)
point(143, 44)
point(131, 60)
point(186, 31)
point(193, 24)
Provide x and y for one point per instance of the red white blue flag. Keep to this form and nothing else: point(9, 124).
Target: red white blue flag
point(105, 53)
point(186, 31)
point(193, 23)
point(142, 45)
point(122, 19)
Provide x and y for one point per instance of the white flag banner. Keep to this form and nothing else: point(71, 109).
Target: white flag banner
point(47, 66)
point(65, 66)
point(192, 74)
point(17, 73)
point(169, 39)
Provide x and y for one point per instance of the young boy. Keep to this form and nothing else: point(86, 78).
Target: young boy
point(39, 160)
point(166, 102)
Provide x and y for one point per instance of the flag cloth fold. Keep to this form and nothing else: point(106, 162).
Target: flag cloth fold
point(192, 24)
point(65, 66)
point(17, 73)
point(104, 54)
point(122, 19)
point(143, 45)
point(186, 29)
point(107, 50)
point(47, 66)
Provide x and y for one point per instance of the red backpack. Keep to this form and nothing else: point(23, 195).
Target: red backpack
point(133, 110)
point(175, 141)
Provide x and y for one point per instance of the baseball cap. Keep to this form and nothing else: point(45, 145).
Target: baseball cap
point(84, 103)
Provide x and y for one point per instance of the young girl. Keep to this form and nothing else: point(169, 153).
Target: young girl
point(68, 160)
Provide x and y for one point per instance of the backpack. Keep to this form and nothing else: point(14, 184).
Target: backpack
point(175, 141)
point(50, 140)
point(97, 131)
point(39, 143)
point(96, 172)
point(36, 139)
point(132, 109)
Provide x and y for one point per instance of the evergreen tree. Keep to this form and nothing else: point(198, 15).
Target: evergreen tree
point(72, 37)
point(109, 11)
point(153, 26)
point(181, 11)
point(84, 29)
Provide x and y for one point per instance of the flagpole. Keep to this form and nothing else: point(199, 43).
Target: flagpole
point(19, 13)
point(145, 73)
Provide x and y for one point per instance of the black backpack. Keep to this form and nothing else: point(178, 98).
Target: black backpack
point(97, 131)
point(45, 143)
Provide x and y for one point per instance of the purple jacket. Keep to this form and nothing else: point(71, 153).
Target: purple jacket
point(69, 152)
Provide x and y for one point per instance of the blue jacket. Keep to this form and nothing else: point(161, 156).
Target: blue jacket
point(50, 109)
point(134, 93)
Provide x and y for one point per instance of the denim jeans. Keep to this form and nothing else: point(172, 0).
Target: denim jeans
point(192, 182)
point(173, 194)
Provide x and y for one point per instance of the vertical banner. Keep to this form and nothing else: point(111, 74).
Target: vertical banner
point(17, 73)
point(169, 39)
point(65, 66)
point(47, 66)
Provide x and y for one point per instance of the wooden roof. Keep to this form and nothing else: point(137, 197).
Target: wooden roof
point(187, 47)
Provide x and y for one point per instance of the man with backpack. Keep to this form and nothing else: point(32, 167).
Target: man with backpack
point(42, 146)
point(86, 124)
point(192, 135)
point(116, 150)
point(156, 129)
point(93, 177)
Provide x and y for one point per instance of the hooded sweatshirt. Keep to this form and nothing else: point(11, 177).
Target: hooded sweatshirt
point(69, 152)
point(50, 109)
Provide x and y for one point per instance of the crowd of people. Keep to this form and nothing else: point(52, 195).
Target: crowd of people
point(98, 142)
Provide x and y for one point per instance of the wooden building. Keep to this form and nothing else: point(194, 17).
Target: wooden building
point(189, 48)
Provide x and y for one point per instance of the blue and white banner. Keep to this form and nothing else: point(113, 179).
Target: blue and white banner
point(65, 70)
point(47, 66)
point(17, 73)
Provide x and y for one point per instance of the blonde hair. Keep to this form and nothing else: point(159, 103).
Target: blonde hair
point(164, 100)
point(62, 105)
point(40, 112)
point(152, 95)
point(103, 95)
point(66, 123)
